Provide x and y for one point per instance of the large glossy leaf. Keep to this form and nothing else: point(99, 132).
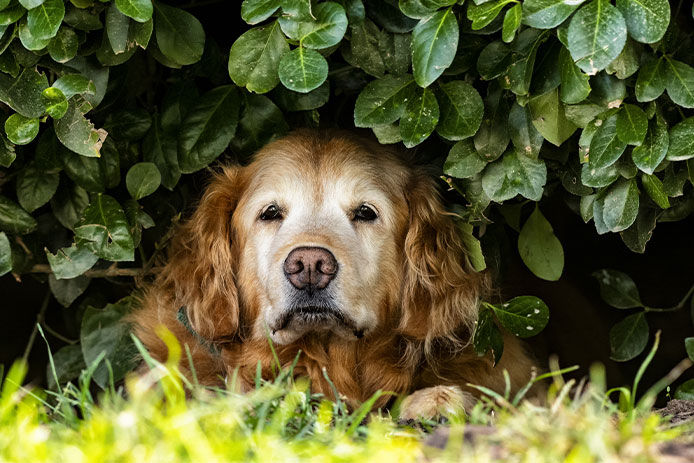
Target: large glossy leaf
point(632, 124)
point(514, 174)
point(524, 316)
point(142, 180)
point(5, 254)
point(654, 188)
point(629, 337)
point(21, 130)
point(208, 128)
point(547, 14)
point(681, 139)
point(605, 146)
point(255, 57)
point(71, 262)
point(650, 83)
point(488, 336)
point(597, 33)
point(434, 43)
point(324, 29)
point(104, 230)
point(621, 205)
point(44, 20)
point(383, 101)
point(66, 291)
point(35, 187)
point(524, 135)
point(575, 85)
point(647, 20)
point(512, 21)
point(679, 82)
point(463, 161)
point(23, 94)
point(654, 148)
point(180, 36)
point(68, 204)
point(539, 247)
point(462, 110)
point(420, 117)
point(77, 133)
point(140, 10)
point(260, 122)
point(302, 70)
point(550, 119)
point(484, 13)
point(256, 11)
point(162, 149)
point(13, 219)
point(493, 136)
point(618, 289)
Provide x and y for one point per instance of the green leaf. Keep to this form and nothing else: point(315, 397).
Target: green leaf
point(597, 33)
point(21, 130)
point(44, 20)
point(575, 85)
point(364, 49)
point(13, 219)
point(463, 161)
point(621, 205)
point(55, 102)
point(63, 47)
point(77, 133)
point(23, 94)
point(128, 125)
point(84, 171)
point(689, 347)
point(260, 122)
point(514, 174)
point(550, 119)
point(473, 246)
point(681, 138)
point(434, 43)
point(650, 83)
point(679, 82)
point(524, 135)
point(524, 316)
point(142, 180)
point(629, 337)
point(540, 249)
point(104, 332)
point(387, 134)
point(618, 289)
point(494, 60)
point(74, 84)
point(484, 13)
point(492, 137)
point(256, 11)
point(628, 61)
point(208, 128)
point(654, 188)
point(685, 391)
point(104, 230)
point(68, 204)
point(547, 14)
point(420, 118)
point(488, 336)
point(255, 56)
point(162, 150)
point(637, 236)
point(35, 188)
point(69, 363)
point(302, 70)
point(140, 10)
point(632, 124)
point(647, 20)
point(294, 101)
point(654, 148)
point(512, 21)
point(66, 291)
point(5, 254)
point(462, 110)
point(598, 177)
point(383, 101)
point(326, 30)
point(606, 147)
point(180, 36)
point(71, 262)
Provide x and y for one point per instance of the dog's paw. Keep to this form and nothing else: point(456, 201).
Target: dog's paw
point(434, 403)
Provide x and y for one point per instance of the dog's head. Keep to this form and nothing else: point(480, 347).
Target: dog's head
point(324, 234)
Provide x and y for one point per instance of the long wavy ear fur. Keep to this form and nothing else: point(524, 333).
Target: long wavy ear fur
point(202, 263)
point(440, 291)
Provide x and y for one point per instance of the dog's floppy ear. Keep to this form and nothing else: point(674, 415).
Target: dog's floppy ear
point(203, 260)
point(441, 292)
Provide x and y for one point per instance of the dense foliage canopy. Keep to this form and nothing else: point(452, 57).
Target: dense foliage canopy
point(110, 105)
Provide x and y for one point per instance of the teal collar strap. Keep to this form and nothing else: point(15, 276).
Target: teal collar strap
point(182, 317)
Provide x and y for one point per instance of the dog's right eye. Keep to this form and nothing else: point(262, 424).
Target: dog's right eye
point(272, 212)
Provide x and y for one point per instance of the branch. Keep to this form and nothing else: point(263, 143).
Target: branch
point(102, 273)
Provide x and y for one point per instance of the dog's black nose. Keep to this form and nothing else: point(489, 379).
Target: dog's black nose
point(310, 268)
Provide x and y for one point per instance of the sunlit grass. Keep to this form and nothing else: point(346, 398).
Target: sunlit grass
point(152, 419)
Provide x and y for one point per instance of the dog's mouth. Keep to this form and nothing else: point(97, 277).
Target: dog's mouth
point(316, 318)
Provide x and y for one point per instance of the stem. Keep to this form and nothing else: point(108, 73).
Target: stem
point(39, 320)
point(45, 326)
point(674, 308)
point(100, 273)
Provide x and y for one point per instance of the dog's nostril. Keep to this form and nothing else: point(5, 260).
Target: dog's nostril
point(310, 268)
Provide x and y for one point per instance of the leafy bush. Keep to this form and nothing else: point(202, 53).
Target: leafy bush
point(109, 107)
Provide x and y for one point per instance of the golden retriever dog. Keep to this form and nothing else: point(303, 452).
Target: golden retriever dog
point(337, 247)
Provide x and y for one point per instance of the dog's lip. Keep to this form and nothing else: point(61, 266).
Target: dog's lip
point(318, 316)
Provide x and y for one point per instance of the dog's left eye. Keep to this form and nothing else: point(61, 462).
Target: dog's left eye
point(365, 213)
point(272, 212)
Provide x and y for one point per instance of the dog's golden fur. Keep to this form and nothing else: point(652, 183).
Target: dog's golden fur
point(425, 297)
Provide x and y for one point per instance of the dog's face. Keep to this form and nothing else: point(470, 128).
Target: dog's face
point(322, 229)
point(323, 234)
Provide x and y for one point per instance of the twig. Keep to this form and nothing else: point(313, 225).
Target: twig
point(101, 273)
point(679, 305)
point(39, 320)
point(58, 335)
